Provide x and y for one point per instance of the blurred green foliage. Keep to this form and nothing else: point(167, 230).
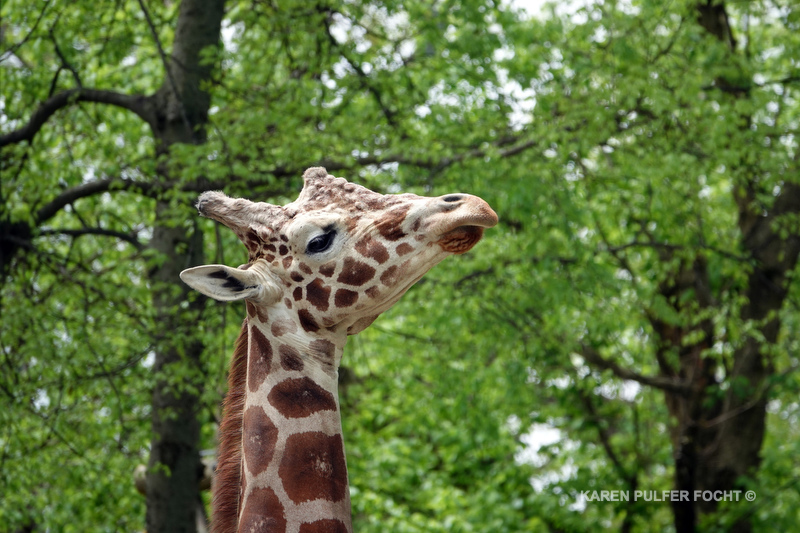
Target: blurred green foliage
point(614, 139)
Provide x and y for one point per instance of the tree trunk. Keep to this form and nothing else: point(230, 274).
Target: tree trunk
point(717, 437)
point(180, 109)
point(175, 470)
point(177, 114)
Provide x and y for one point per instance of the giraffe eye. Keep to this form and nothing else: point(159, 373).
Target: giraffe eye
point(320, 243)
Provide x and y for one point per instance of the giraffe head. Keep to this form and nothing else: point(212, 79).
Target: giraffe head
point(340, 254)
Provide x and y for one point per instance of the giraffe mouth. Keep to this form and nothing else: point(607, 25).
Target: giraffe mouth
point(462, 226)
point(461, 239)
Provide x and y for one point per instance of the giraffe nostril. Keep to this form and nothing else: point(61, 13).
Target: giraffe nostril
point(201, 206)
point(452, 198)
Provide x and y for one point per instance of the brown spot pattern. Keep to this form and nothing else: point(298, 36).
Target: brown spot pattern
point(404, 248)
point(389, 224)
point(390, 276)
point(369, 247)
point(327, 525)
point(290, 357)
point(355, 272)
point(297, 294)
point(259, 359)
point(283, 326)
point(327, 269)
point(283, 250)
point(296, 276)
point(300, 397)
point(307, 320)
point(262, 513)
point(287, 262)
point(251, 240)
point(345, 298)
point(373, 292)
point(318, 294)
point(324, 348)
point(258, 439)
point(255, 311)
point(314, 467)
point(305, 268)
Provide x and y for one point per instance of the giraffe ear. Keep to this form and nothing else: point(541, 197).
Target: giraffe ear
point(230, 284)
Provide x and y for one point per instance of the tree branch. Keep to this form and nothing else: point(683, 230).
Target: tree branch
point(13, 50)
point(82, 191)
point(64, 63)
point(136, 103)
point(128, 237)
point(605, 439)
point(714, 18)
point(147, 189)
point(673, 247)
point(431, 163)
point(668, 384)
point(365, 81)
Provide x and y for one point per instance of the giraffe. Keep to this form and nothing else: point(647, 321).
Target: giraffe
point(320, 268)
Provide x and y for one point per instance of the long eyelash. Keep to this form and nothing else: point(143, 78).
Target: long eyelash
point(323, 240)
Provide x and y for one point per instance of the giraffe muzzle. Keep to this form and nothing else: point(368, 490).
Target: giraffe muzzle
point(238, 214)
point(460, 221)
point(456, 210)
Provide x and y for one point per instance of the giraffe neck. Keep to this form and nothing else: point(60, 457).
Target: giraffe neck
point(293, 473)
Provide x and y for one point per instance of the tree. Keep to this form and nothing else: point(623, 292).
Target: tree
point(669, 131)
point(143, 77)
point(176, 113)
point(638, 296)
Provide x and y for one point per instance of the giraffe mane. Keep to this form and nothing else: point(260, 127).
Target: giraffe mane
point(227, 481)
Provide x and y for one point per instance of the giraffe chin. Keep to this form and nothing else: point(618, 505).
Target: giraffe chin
point(461, 239)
